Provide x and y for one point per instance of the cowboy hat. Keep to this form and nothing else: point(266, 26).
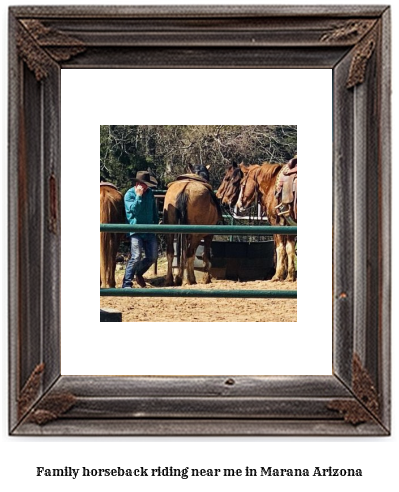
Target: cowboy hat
point(146, 178)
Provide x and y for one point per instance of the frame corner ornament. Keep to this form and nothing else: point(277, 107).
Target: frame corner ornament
point(51, 408)
point(367, 405)
point(350, 31)
point(30, 391)
point(40, 46)
point(361, 56)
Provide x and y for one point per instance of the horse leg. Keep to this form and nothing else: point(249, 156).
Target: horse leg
point(206, 257)
point(290, 249)
point(281, 258)
point(170, 255)
point(191, 250)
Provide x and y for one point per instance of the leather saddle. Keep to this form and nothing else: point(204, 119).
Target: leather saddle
point(286, 190)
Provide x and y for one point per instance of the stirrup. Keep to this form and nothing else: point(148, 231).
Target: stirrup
point(285, 213)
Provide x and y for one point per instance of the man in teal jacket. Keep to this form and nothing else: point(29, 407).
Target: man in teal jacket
point(141, 208)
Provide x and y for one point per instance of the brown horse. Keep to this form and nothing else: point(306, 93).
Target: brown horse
point(229, 188)
point(265, 180)
point(112, 211)
point(189, 201)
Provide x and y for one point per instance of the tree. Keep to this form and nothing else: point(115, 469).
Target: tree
point(169, 149)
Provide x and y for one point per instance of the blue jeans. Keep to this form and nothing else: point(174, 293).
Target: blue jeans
point(137, 265)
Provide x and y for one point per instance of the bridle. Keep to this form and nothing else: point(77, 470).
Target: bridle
point(244, 181)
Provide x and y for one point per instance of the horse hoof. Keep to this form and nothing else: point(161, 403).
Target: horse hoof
point(168, 282)
point(178, 281)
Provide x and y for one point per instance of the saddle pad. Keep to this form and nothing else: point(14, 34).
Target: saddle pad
point(192, 177)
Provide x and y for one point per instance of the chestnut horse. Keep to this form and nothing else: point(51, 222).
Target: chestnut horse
point(264, 180)
point(189, 200)
point(112, 211)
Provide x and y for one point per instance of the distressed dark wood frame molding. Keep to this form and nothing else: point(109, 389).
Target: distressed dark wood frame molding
point(352, 41)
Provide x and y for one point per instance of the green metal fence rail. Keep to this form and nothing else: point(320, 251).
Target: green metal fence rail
point(199, 229)
point(174, 292)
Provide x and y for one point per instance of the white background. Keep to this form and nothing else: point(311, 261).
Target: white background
point(93, 97)
point(19, 456)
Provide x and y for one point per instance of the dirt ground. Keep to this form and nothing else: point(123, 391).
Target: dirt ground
point(203, 309)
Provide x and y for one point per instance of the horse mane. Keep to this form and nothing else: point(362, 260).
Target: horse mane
point(267, 171)
point(266, 178)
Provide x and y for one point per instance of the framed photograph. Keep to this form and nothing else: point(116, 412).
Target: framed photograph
point(206, 164)
point(352, 44)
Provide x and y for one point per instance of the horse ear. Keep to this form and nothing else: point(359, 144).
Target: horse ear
point(234, 164)
point(244, 168)
point(190, 168)
point(208, 166)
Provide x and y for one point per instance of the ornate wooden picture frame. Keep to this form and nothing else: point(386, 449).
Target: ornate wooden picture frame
point(352, 41)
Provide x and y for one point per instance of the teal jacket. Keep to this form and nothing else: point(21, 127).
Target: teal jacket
point(141, 209)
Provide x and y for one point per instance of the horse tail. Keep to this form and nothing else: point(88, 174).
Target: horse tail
point(181, 218)
point(106, 239)
point(181, 206)
point(111, 212)
point(105, 255)
point(165, 216)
